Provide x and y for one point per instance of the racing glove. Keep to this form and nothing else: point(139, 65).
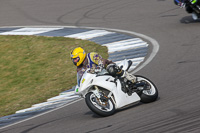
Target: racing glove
point(98, 69)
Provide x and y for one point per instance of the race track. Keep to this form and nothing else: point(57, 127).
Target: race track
point(175, 69)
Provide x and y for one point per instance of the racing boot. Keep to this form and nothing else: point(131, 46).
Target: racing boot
point(194, 16)
point(129, 77)
point(138, 85)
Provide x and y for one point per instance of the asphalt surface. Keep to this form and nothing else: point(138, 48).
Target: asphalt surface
point(175, 69)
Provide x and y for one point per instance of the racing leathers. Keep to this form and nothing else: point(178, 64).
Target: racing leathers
point(95, 62)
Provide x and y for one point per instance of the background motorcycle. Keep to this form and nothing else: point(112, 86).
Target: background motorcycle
point(190, 7)
point(194, 9)
point(104, 94)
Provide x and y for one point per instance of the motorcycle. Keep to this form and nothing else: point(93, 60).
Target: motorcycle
point(191, 7)
point(194, 9)
point(104, 94)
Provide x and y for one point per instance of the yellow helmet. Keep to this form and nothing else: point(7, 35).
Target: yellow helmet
point(78, 55)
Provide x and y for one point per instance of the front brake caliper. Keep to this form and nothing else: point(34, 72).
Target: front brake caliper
point(96, 92)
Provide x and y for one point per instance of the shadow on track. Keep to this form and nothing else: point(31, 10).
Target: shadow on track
point(188, 20)
point(119, 110)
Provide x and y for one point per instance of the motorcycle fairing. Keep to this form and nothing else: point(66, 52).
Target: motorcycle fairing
point(107, 82)
point(122, 99)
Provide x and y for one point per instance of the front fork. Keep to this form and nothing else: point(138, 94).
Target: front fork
point(100, 95)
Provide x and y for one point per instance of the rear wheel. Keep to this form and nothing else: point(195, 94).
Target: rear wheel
point(150, 93)
point(102, 108)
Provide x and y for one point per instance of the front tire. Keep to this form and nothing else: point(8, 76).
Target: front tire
point(97, 106)
point(148, 95)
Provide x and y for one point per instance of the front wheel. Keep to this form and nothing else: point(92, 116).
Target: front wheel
point(150, 94)
point(102, 108)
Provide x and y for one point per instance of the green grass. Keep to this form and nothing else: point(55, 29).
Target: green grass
point(35, 68)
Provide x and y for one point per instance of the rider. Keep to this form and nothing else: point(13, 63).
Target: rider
point(89, 60)
point(94, 61)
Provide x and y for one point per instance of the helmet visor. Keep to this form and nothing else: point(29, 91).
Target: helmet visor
point(75, 60)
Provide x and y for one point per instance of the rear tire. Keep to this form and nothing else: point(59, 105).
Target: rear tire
point(98, 107)
point(150, 95)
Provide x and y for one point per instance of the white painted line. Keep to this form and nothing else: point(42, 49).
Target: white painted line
point(61, 97)
point(122, 47)
point(28, 109)
point(90, 34)
point(124, 42)
point(46, 103)
point(140, 59)
point(29, 31)
point(69, 93)
point(134, 64)
point(127, 43)
point(54, 102)
point(135, 60)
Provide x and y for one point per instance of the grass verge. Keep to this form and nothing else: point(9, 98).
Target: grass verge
point(35, 68)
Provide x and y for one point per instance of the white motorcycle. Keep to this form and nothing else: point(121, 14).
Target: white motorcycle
point(104, 94)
